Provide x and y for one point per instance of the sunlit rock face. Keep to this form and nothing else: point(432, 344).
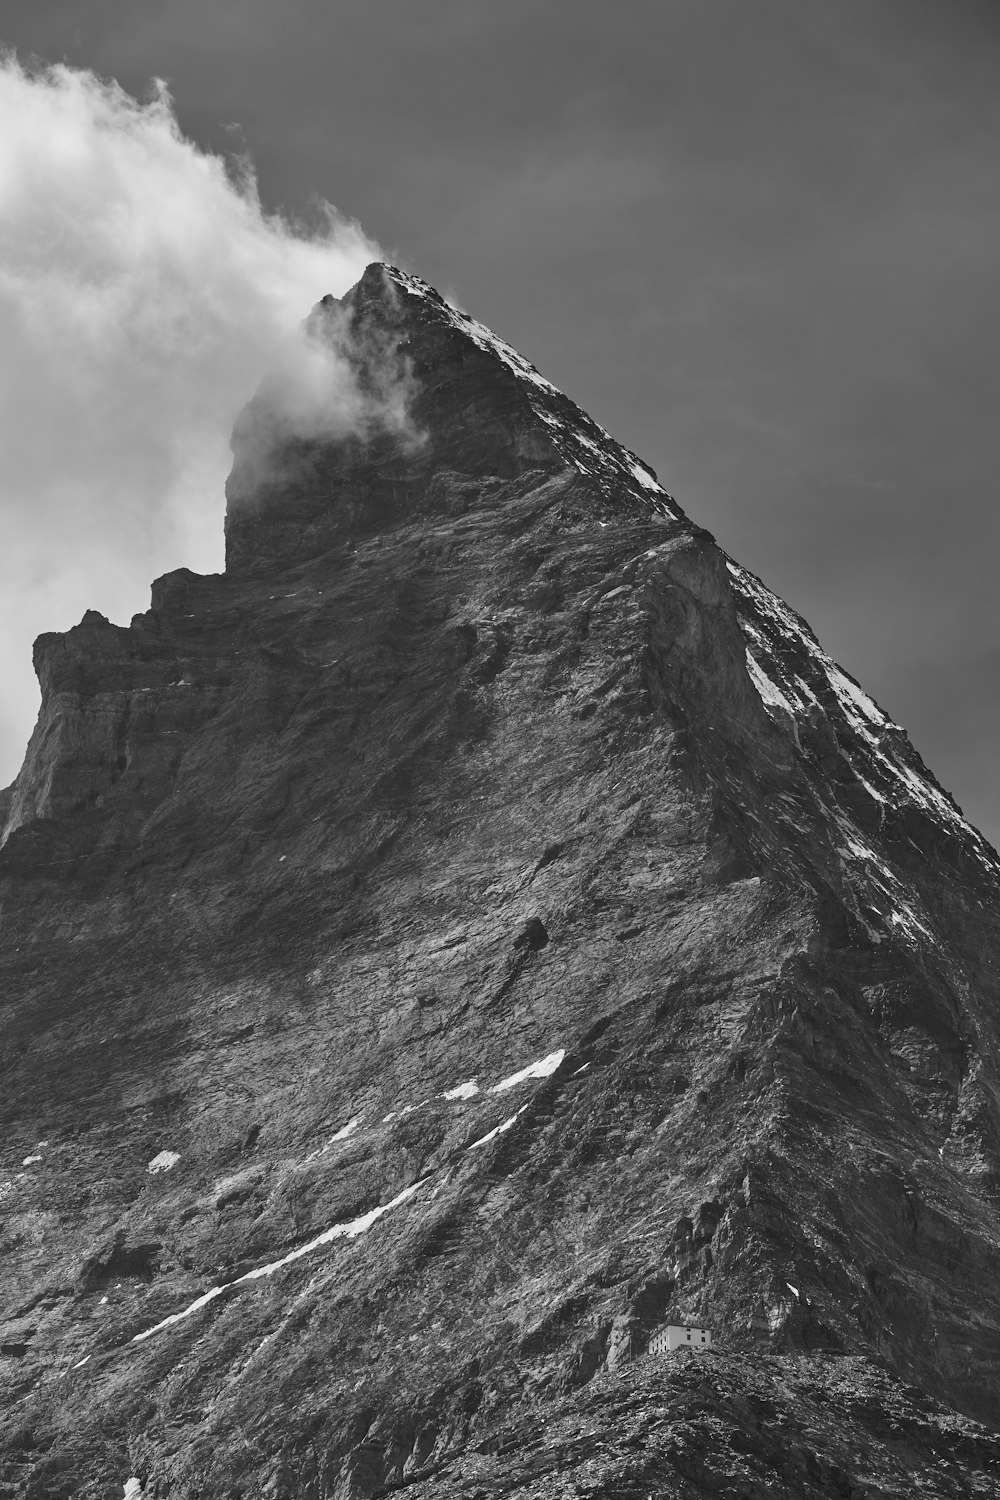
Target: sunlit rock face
point(481, 927)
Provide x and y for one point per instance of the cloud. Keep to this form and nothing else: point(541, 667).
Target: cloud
point(143, 292)
point(328, 381)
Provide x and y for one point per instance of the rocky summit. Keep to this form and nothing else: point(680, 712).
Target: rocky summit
point(476, 932)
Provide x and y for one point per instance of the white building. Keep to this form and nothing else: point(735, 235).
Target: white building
point(677, 1336)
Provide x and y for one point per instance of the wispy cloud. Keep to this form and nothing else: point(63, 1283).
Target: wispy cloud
point(143, 292)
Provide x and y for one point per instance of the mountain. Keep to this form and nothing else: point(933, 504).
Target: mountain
point(479, 928)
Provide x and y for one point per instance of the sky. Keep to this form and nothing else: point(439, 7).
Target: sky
point(758, 243)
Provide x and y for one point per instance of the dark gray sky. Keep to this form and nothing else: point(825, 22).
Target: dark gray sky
point(758, 242)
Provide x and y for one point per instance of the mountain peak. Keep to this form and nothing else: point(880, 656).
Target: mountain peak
point(477, 930)
point(577, 437)
point(387, 387)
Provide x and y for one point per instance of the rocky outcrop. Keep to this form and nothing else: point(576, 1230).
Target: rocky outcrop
point(481, 926)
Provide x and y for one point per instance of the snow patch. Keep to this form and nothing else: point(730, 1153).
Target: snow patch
point(497, 1130)
point(193, 1307)
point(133, 1489)
point(645, 478)
point(339, 1135)
point(855, 700)
point(544, 1068)
point(770, 696)
point(164, 1161)
point(407, 1109)
point(29, 1160)
point(463, 1091)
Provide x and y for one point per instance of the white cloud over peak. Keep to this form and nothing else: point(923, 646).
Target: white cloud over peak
point(144, 291)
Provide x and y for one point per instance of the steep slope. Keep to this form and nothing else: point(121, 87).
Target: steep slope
point(478, 927)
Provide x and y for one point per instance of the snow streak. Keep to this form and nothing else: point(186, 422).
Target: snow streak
point(543, 1068)
point(348, 1231)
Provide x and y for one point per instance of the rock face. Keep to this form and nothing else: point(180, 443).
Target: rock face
point(476, 929)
